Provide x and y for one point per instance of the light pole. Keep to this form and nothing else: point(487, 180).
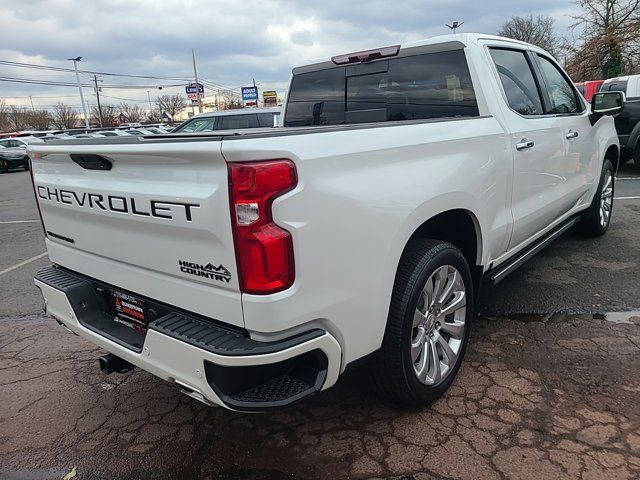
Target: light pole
point(150, 107)
point(84, 108)
point(454, 25)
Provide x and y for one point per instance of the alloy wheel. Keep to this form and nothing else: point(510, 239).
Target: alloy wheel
point(439, 326)
point(606, 199)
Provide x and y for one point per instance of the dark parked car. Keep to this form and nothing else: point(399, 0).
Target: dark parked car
point(12, 158)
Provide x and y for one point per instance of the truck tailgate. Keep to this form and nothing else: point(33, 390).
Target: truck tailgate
point(148, 217)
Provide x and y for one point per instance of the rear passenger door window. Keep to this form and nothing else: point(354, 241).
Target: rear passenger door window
point(234, 122)
point(518, 81)
point(265, 119)
point(562, 95)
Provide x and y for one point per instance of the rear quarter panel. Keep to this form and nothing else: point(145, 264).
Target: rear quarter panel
point(361, 195)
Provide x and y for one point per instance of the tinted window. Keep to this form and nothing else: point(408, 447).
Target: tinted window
point(202, 124)
point(560, 90)
point(265, 119)
point(233, 122)
point(518, 81)
point(316, 98)
point(614, 86)
point(418, 87)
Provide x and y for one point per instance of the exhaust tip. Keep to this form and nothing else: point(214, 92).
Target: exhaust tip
point(111, 363)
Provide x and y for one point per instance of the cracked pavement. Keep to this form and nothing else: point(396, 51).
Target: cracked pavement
point(548, 397)
point(540, 396)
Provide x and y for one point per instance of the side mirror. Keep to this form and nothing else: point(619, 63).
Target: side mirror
point(607, 103)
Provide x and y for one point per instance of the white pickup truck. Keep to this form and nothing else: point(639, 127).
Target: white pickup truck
point(251, 268)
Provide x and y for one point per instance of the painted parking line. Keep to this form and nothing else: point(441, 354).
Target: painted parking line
point(19, 221)
point(627, 198)
point(22, 264)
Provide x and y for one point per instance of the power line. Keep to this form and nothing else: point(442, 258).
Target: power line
point(90, 72)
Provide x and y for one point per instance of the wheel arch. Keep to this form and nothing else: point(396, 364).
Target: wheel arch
point(613, 154)
point(461, 228)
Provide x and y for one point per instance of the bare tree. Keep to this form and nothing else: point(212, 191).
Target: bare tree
point(609, 39)
point(154, 116)
point(535, 30)
point(171, 104)
point(4, 116)
point(134, 113)
point(18, 118)
point(109, 115)
point(229, 101)
point(39, 119)
point(64, 116)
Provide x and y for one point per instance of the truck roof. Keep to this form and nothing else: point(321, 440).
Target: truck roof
point(459, 40)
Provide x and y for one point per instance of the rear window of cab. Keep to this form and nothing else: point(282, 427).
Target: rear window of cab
point(426, 86)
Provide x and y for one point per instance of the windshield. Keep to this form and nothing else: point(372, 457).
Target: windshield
point(203, 124)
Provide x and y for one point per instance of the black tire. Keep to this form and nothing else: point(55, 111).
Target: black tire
point(636, 159)
point(3, 167)
point(26, 167)
point(393, 373)
point(591, 224)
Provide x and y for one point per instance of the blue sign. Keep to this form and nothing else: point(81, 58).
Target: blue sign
point(250, 94)
point(191, 88)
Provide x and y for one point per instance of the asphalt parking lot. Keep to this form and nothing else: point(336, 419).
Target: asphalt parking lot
point(549, 389)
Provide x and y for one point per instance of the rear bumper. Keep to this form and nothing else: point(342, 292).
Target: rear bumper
point(217, 366)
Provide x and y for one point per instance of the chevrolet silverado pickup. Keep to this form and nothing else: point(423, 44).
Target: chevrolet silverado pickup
point(251, 268)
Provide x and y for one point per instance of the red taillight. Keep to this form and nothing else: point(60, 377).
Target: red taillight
point(264, 250)
point(35, 193)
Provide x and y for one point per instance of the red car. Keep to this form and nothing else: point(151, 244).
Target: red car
point(587, 89)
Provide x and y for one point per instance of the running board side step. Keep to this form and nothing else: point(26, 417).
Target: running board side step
point(498, 274)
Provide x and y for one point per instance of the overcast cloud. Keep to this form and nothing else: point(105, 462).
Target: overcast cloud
point(234, 41)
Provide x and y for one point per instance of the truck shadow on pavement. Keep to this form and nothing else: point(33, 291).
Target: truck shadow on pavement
point(537, 397)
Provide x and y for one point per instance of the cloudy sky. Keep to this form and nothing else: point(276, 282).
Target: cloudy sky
point(234, 41)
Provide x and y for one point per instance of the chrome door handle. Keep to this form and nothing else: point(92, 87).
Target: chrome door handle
point(524, 144)
point(571, 134)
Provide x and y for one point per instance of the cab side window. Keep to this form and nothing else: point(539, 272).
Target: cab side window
point(232, 122)
point(561, 93)
point(518, 81)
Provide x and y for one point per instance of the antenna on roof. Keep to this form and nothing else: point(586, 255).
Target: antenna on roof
point(454, 25)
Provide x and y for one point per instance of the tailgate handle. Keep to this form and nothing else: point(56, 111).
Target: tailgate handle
point(91, 161)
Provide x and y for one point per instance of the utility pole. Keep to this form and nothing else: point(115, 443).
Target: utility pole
point(195, 74)
point(150, 107)
point(254, 86)
point(95, 81)
point(31, 100)
point(84, 107)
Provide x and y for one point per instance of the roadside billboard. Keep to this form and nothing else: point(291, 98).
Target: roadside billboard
point(270, 98)
point(193, 89)
point(249, 95)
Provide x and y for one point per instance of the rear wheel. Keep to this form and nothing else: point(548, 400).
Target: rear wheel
point(636, 158)
point(596, 219)
point(428, 325)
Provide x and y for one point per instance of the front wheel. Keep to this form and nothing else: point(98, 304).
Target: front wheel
point(428, 326)
point(596, 219)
